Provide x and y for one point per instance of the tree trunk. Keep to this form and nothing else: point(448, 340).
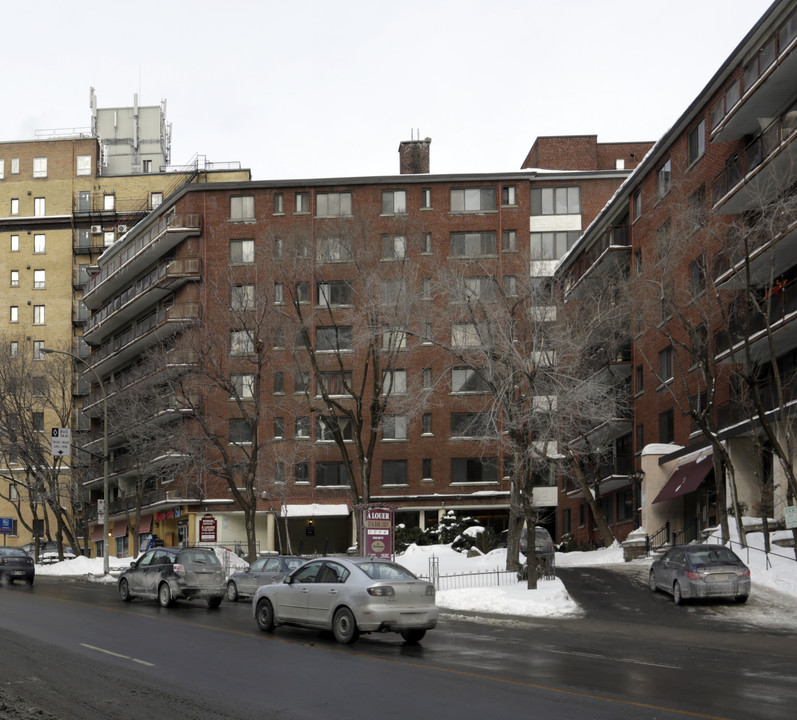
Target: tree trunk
point(607, 536)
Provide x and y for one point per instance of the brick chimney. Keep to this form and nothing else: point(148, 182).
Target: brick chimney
point(415, 156)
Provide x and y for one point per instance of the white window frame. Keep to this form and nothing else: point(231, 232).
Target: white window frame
point(83, 165)
point(39, 207)
point(242, 208)
point(39, 243)
point(14, 282)
point(40, 167)
point(394, 427)
point(38, 279)
point(38, 315)
point(394, 202)
point(13, 315)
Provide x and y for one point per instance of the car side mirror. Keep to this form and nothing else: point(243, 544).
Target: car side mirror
point(287, 579)
point(133, 564)
point(246, 570)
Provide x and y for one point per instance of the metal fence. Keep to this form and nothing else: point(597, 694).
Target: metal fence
point(546, 570)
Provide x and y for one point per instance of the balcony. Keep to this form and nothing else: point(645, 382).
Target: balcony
point(610, 251)
point(137, 253)
point(162, 280)
point(735, 413)
point(144, 333)
point(761, 172)
point(154, 498)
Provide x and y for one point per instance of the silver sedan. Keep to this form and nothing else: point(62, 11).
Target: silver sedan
point(263, 571)
point(349, 596)
point(700, 571)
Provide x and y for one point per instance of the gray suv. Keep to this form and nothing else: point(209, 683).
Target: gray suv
point(168, 574)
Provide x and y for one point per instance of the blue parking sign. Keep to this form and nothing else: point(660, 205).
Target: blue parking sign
point(6, 525)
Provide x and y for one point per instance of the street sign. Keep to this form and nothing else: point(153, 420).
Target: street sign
point(101, 512)
point(377, 532)
point(790, 516)
point(6, 525)
point(61, 442)
point(207, 529)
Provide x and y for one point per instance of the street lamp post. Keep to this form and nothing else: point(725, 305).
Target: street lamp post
point(105, 541)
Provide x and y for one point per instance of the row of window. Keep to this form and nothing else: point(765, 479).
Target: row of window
point(38, 314)
point(39, 169)
point(39, 243)
point(39, 207)
point(38, 279)
point(544, 201)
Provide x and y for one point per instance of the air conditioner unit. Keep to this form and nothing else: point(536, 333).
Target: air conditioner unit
point(96, 229)
point(122, 228)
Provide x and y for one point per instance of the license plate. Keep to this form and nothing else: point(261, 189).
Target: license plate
point(721, 577)
point(18, 572)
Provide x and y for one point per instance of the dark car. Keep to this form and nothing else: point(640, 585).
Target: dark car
point(263, 571)
point(700, 571)
point(16, 564)
point(168, 574)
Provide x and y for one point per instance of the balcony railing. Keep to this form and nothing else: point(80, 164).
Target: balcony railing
point(618, 236)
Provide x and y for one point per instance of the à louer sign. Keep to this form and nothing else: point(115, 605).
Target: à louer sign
point(377, 533)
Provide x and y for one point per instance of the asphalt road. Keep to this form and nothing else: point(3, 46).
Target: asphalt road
point(74, 650)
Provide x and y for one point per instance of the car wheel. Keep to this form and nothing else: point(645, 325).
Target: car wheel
point(214, 601)
point(124, 590)
point(265, 615)
point(165, 595)
point(677, 598)
point(29, 580)
point(413, 636)
point(344, 626)
point(652, 582)
point(232, 592)
point(741, 598)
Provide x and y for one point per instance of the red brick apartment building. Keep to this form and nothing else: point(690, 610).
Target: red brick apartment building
point(723, 175)
point(197, 255)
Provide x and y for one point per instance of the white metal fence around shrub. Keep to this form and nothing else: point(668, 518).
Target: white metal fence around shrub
point(485, 578)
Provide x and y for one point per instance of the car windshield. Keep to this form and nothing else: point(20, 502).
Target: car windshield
point(385, 571)
point(712, 556)
point(8, 551)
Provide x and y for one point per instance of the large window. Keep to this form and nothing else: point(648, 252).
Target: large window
point(242, 297)
point(665, 365)
point(333, 249)
point(38, 279)
point(334, 293)
point(335, 383)
point(83, 165)
point(302, 202)
point(38, 314)
point(475, 290)
point(394, 472)
point(242, 208)
point(474, 470)
point(667, 426)
point(551, 245)
point(242, 342)
point(664, 179)
point(395, 382)
point(333, 204)
point(473, 200)
point(326, 426)
point(394, 427)
point(39, 207)
point(467, 380)
point(330, 473)
point(394, 202)
point(472, 425)
point(40, 167)
point(465, 335)
point(394, 247)
point(473, 244)
point(556, 201)
point(243, 386)
point(242, 252)
point(241, 431)
point(333, 337)
point(697, 141)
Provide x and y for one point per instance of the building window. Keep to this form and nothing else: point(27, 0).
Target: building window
point(38, 345)
point(302, 202)
point(335, 204)
point(39, 207)
point(40, 167)
point(508, 195)
point(510, 286)
point(326, 426)
point(697, 142)
point(146, 166)
point(665, 365)
point(156, 199)
point(15, 278)
point(333, 338)
point(426, 424)
point(394, 427)
point(664, 179)
point(697, 277)
point(427, 336)
point(279, 293)
point(241, 431)
point(279, 427)
point(14, 314)
point(640, 437)
point(394, 382)
point(83, 165)
point(697, 406)
point(334, 294)
point(242, 342)
point(474, 470)
point(14, 206)
point(667, 426)
point(472, 244)
point(333, 249)
point(334, 383)
point(394, 472)
point(636, 206)
point(394, 247)
point(279, 206)
point(109, 201)
point(242, 297)
point(242, 252)
point(279, 382)
point(472, 425)
point(302, 426)
point(474, 290)
point(38, 421)
point(330, 474)
point(394, 202)
point(243, 386)
point(509, 241)
point(426, 198)
point(426, 244)
point(15, 166)
point(14, 243)
point(38, 314)
point(301, 382)
point(551, 245)
point(640, 379)
point(426, 469)
point(13, 349)
point(465, 335)
point(108, 238)
point(556, 201)
point(2, 169)
point(242, 208)
point(426, 378)
point(473, 200)
point(394, 338)
point(468, 380)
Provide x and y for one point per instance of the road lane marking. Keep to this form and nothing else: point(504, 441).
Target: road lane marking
point(596, 656)
point(118, 655)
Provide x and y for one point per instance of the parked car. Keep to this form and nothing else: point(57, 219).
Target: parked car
point(263, 571)
point(168, 574)
point(700, 571)
point(16, 564)
point(543, 543)
point(349, 596)
point(48, 551)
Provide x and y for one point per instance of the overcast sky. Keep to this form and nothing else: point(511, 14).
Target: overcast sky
point(319, 88)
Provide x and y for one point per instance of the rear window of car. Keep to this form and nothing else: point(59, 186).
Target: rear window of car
point(385, 571)
point(713, 556)
point(293, 563)
point(16, 552)
point(199, 557)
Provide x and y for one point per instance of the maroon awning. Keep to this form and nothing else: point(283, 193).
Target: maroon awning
point(119, 528)
point(686, 478)
point(145, 523)
point(96, 533)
